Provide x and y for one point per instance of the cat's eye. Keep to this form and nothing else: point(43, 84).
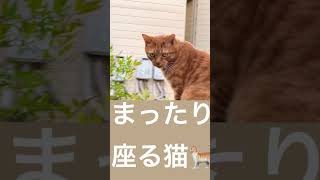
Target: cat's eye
point(164, 54)
point(152, 55)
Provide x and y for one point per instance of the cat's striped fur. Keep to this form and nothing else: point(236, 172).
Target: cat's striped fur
point(199, 157)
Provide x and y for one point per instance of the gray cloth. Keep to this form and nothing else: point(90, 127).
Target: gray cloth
point(157, 74)
point(144, 71)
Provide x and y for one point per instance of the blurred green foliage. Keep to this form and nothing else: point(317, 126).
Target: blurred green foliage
point(124, 69)
point(56, 27)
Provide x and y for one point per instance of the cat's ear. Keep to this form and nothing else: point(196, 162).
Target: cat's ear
point(171, 39)
point(147, 39)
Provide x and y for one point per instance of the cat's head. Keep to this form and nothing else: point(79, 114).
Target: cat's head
point(161, 50)
point(193, 149)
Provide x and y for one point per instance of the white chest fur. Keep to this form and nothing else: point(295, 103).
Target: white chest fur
point(195, 157)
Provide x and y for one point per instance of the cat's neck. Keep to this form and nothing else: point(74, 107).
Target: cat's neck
point(186, 52)
point(181, 67)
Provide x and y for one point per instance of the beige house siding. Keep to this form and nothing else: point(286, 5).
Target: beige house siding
point(202, 39)
point(131, 18)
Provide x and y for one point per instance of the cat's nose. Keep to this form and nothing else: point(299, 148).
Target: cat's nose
point(158, 64)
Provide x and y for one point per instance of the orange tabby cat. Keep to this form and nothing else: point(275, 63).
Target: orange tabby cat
point(186, 68)
point(199, 157)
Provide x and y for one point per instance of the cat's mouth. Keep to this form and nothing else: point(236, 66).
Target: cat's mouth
point(158, 65)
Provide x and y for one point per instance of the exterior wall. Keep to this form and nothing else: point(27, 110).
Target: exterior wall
point(131, 18)
point(203, 25)
point(189, 22)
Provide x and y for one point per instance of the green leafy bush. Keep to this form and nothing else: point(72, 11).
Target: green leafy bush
point(56, 28)
point(124, 69)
